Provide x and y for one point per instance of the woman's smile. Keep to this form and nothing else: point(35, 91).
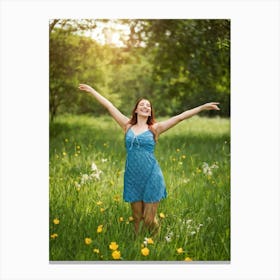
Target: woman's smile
point(144, 107)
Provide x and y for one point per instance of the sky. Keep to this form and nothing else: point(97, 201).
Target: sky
point(110, 33)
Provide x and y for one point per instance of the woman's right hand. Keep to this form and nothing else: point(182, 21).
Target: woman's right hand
point(86, 88)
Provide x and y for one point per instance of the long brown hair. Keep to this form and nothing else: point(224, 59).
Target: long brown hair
point(150, 121)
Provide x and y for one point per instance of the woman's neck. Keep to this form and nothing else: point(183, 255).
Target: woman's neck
point(141, 121)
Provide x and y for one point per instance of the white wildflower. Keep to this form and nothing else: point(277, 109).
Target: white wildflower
point(168, 238)
point(214, 166)
point(205, 165)
point(198, 227)
point(85, 176)
point(193, 233)
point(93, 167)
point(84, 179)
point(96, 174)
point(104, 159)
point(186, 180)
point(206, 169)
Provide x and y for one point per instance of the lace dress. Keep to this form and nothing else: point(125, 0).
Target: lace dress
point(143, 179)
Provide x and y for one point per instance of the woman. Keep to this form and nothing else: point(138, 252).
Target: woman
point(144, 185)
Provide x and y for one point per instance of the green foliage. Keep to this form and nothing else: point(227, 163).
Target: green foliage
point(178, 64)
point(191, 62)
point(197, 209)
point(68, 64)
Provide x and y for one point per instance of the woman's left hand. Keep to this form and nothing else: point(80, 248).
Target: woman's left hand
point(211, 106)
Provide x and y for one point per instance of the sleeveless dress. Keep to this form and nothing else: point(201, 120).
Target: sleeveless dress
point(143, 179)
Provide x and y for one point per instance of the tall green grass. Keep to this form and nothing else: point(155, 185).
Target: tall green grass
point(195, 217)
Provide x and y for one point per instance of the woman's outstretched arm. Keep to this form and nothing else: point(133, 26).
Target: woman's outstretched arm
point(161, 127)
point(121, 119)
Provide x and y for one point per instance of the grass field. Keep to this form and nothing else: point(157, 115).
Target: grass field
point(89, 221)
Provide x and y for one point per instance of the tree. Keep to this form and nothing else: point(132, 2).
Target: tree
point(69, 65)
point(72, 25)
point(191, 60)
point(178, 64)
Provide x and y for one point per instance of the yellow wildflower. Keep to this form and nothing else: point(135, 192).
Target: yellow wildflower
point(53, 236)
point(113, 246)
point(95, 250)
point(88, 240)
point(78, 147)
point(183, 156)
point(180, 250)
point(102, 210)
point(99, 228)
point(121, 219)
point(64, 153)
point(130, 219)
point(116, 255)
point(56, 221)
point(145, 251)
point(150, 241)
point(177, 150)
point(66, 140)
point(116, 198)
point(99, 203)
point(187, 259)
point(161, 215)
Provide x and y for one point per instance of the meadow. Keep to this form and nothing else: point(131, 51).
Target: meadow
point(88, 219)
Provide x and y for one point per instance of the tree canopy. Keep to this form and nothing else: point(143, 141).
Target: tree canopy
point(176, 63)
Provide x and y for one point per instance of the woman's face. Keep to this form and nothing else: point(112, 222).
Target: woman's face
point(144, 108)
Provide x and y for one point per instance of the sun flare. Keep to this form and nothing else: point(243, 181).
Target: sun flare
point(111, 33)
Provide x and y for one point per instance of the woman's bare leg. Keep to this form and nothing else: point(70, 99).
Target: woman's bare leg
point(137, 213)
point(150, 219)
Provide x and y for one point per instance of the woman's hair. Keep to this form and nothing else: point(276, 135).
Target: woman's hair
point(150, 121)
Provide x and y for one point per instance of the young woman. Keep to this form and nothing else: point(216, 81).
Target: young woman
point(144, 184)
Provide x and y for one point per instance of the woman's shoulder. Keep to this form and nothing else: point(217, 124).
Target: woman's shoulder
point(127, 127)
point(154, 126)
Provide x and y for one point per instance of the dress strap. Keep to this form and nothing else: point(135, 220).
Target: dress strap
point(134, 140)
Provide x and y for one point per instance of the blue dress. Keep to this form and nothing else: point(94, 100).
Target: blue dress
point(143, 179)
